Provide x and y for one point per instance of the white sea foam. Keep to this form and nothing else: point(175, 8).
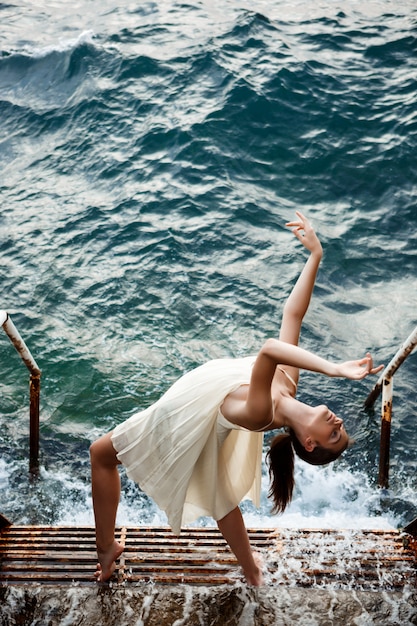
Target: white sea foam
point(324, 498)
point(63, 45)
point(4, 475)
point(329, 497)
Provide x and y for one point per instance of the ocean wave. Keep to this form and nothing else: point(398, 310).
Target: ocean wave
point(39, 80)
point(39, 52)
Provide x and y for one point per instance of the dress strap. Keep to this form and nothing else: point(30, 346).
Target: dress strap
point(290, 378)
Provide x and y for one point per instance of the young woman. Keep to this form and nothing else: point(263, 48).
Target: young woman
point(198, 449)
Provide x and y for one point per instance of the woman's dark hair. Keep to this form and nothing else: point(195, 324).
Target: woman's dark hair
point(280, 458)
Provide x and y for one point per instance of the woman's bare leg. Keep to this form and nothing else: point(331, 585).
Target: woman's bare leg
point(105, 480)
point(234, 531)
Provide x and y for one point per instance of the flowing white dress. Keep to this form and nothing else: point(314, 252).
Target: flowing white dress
point(185, 454)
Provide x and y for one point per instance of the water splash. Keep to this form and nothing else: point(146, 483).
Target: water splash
point(147, 605)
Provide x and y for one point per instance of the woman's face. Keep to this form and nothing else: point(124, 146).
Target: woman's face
point(327, 430)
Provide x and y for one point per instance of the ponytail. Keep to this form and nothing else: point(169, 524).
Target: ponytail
point(280, 458)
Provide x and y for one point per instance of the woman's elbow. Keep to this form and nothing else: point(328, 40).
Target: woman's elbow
point(270, 346)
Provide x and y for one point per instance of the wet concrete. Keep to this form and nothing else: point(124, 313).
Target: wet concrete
point(185, 605)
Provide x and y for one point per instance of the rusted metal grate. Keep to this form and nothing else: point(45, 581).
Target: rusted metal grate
point(354, 559)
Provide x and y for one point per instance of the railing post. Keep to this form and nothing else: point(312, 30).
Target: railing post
point(34, 389)
point(384, 450)
point(34, 392)
point(385, 384)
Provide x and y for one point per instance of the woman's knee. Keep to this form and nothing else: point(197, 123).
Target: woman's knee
point(102, 451)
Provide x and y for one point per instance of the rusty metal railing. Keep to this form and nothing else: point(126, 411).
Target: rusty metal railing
point(34, 388)
point(385, 384)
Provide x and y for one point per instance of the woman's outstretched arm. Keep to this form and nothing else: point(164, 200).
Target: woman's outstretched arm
point(256, 409)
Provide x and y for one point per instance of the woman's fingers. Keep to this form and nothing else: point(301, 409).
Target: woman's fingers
point(302, 223)
point(368, 362)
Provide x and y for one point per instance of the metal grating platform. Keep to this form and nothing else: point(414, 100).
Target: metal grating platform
point(353, 559)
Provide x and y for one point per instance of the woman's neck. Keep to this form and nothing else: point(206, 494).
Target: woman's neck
point(291, 413)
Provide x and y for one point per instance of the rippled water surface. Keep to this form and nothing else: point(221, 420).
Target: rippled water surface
point(150, 155)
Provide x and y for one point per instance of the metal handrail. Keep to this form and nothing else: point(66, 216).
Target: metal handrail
point(385, 384)
point(34, 388)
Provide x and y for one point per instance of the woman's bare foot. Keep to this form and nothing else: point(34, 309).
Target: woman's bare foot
point(107, 561)
point(255, 576)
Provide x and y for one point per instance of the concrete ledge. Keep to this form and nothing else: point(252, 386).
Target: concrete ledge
point(184, 605)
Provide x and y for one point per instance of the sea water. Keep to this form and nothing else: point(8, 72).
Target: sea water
point(150, 155)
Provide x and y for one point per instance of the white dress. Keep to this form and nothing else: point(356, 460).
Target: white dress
point(185, 454)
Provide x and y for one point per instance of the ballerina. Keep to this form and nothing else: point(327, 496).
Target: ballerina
point(198, 449)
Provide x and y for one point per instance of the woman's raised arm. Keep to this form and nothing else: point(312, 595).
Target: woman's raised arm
point(298, 301)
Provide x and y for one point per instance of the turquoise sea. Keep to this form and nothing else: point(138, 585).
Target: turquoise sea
point(150, 155)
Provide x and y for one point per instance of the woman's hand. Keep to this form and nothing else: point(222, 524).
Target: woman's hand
point(305, 233)
point(356, 370)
